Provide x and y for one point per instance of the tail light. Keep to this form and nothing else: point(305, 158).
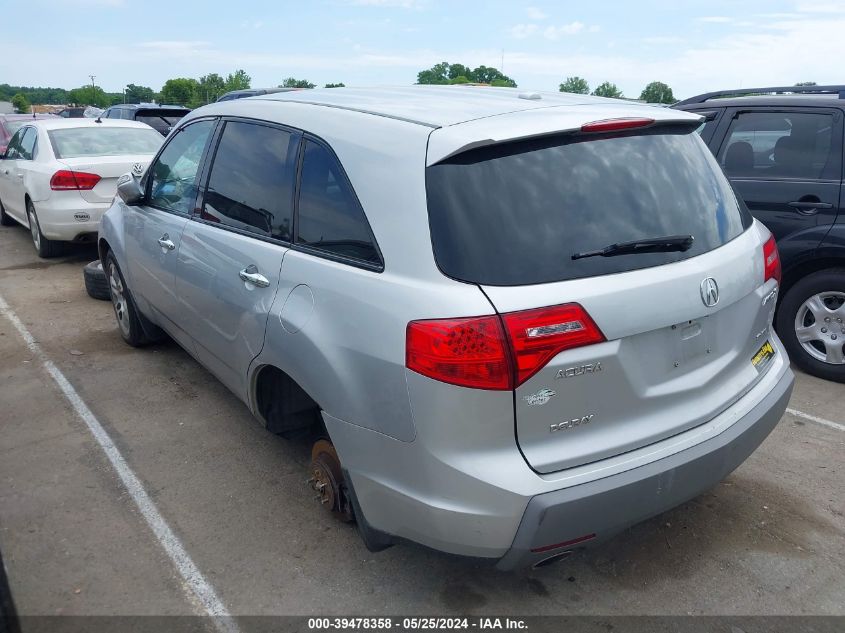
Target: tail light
point(495, 352)
point(467, 352)
point(771, 261)
point(65, 180)
point(537, 336)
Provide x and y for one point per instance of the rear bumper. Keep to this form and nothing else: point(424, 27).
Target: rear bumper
point(65, 216)
point(607, 506)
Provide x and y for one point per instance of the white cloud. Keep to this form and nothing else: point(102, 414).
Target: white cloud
point(820, 7)
point(401, 4)
point(715, 19)
point(521, 31)
point(173, 46)
point(556, 32)
point(535, 14)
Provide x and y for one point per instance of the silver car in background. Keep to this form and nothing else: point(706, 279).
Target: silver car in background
point(513, 323)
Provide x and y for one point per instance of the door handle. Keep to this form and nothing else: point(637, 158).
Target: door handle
point(164, 242)
point(251, 275)
point(809, 208)
point(20, 176)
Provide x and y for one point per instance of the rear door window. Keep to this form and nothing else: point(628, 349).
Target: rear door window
point(330, 220)
point(252, 178)
point(14, 147)
point(27, 150)
point(774, 145)
point(515, 213)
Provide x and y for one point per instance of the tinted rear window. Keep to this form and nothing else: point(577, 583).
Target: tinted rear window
point(104, 141)
point(515, 213)
point(158, 118)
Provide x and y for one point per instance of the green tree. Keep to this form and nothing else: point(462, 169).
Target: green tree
point(20, 103)
point(138, 94)
point(492, 76)
point(437, 74)
point(238, 80)
point(337, 85)
point(806, 83)
point(608, 89)
point(575, 85)
point(446, 73)
point(458, 70)
point(86, 95)
point(657, 92)
point(291, 82)
point(208, 89)
point(179, 91)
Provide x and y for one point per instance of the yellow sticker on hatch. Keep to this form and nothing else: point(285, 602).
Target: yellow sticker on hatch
point(763, 355)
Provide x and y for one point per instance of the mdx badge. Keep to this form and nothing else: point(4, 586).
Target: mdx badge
point(580, 370)
point(540, 398)
point(571, 424)
point(709, 292)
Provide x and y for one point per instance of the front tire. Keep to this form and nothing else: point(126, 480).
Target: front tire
point(45, 248)
point(811, 323)
point(128, 317)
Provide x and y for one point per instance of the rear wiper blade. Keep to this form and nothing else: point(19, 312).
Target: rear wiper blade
point(666, 244)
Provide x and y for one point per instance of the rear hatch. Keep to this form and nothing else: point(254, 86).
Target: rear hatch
point(668, 339)
point(107, 150)
point(109, 169)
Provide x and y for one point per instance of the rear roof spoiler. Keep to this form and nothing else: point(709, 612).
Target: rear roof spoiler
point(450, 140)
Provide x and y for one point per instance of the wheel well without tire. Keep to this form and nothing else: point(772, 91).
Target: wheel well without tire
point(103, 250)
point(283, 405)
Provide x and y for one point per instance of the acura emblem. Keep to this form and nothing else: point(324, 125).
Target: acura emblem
point(709, 292)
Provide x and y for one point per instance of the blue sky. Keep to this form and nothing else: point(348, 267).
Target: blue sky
point(692, 46)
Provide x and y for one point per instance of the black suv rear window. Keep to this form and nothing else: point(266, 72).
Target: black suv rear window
point(515, 213)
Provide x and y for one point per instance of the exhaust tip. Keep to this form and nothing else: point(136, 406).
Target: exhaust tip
point(553, 559)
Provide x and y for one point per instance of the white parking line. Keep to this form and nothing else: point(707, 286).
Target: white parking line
point(817, 420)
point(197, 587)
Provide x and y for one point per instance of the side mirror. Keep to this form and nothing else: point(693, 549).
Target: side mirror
point(129, 189)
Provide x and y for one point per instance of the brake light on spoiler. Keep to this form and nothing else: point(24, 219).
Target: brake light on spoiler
point(616, 125)
point(497, 352)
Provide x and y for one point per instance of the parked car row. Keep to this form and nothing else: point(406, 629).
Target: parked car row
point(513, 324)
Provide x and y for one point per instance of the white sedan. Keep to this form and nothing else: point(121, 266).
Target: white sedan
point(59, 176)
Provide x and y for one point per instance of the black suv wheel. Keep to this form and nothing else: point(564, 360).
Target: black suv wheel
point(811, 323)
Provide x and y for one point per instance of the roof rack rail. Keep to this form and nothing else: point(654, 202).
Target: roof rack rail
point(818, 90)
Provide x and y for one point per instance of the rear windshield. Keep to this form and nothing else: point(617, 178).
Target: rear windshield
point(104, 141)
point(159, 119)
point(515, 213)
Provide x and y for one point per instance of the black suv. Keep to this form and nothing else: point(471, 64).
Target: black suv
point(161, 118)
point(782, 149)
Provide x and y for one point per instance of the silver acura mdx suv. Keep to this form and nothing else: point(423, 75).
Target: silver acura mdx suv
point(512, 323)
